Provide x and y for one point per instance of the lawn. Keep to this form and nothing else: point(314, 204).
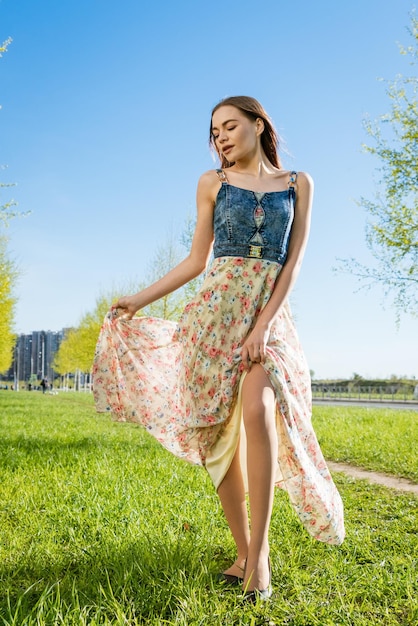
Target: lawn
point(383, 440)
point(101, 526)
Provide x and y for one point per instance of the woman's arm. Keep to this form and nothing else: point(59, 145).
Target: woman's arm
point(193, 264)
point(255, 345)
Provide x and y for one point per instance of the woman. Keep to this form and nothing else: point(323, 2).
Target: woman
point(228, 386)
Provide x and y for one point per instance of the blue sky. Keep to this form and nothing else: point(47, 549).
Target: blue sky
point(104, 123)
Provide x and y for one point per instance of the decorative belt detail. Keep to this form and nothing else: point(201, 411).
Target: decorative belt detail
point(256, 242)
point(255, 252)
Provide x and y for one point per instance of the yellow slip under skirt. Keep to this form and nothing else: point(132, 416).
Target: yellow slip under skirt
point(221, 454)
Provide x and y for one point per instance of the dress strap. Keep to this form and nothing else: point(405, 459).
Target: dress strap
point(293, 176)
point(222, 176)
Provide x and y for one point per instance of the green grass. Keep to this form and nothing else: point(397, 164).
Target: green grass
point(384, 440)
point(101, 526)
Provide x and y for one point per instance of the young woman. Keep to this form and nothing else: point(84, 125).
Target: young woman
point(228, 386)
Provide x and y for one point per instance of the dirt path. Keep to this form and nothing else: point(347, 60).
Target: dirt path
point(401, 484)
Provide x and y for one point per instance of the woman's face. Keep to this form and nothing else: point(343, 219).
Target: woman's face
point(235, 135)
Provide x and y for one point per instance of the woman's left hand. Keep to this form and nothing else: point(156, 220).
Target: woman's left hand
point(254, 347)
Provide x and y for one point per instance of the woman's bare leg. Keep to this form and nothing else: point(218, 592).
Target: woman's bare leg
point(231, 492)
point(259, 407)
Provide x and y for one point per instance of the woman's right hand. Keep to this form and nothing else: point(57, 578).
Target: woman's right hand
point(125, 307)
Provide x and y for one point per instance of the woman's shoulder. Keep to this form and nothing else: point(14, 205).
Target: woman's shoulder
point(209, 184)
point(304, 179)
point(210, 178)
point(304, 191)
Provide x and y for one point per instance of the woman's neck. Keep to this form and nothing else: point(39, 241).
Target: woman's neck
point(256, 168)
point(255, 165)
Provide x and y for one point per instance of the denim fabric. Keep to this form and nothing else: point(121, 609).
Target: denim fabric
point(254, 225)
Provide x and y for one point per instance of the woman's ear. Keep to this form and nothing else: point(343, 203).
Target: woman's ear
point(259, 125)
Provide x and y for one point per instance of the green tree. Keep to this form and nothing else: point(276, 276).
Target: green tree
point(8, 270)
point(76, 351)
point(166, 257)
point(6, 209)
point(192, 287)
point(392, 230)
point(8, 279)
point(65, 360)
point(8, 275)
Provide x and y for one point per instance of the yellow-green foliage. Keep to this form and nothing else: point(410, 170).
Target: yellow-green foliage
point(7, 302)
point(76, 351)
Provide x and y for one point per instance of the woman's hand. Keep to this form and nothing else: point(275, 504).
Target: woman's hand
point(125, 307)
point(254, 347)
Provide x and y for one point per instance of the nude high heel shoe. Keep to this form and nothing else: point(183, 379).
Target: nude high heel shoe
point(261, 595)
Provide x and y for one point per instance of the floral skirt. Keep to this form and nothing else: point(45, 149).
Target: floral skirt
point(182, 382)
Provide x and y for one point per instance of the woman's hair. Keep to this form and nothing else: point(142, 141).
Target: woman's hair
point(253, 110)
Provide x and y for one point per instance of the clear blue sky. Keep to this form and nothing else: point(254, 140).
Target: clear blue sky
point(104, 122)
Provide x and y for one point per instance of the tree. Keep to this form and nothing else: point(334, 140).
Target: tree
point(8, 270)
point(392, 231)
point(6, 209)
point(76, 351)
point(8, 278)
point(167, 256)
point(8, 275)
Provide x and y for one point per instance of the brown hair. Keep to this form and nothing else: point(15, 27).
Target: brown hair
point(253, 110)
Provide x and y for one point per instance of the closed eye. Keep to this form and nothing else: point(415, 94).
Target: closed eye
point(215, 137)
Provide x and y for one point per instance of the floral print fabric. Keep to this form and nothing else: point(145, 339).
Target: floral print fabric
point(180, 381)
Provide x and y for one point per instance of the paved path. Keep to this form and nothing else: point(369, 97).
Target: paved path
point(401, 484)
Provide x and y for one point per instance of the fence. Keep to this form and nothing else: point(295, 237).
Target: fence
point(364, 393)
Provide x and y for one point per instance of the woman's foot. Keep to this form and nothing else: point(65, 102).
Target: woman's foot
point(234, 575)
point(257, 582)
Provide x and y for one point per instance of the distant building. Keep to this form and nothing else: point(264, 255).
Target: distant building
point(33, 356)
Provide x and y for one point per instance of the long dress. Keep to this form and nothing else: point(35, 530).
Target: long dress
point(182, 381)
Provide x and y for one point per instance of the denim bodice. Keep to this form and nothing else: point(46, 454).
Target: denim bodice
point(253, 224)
